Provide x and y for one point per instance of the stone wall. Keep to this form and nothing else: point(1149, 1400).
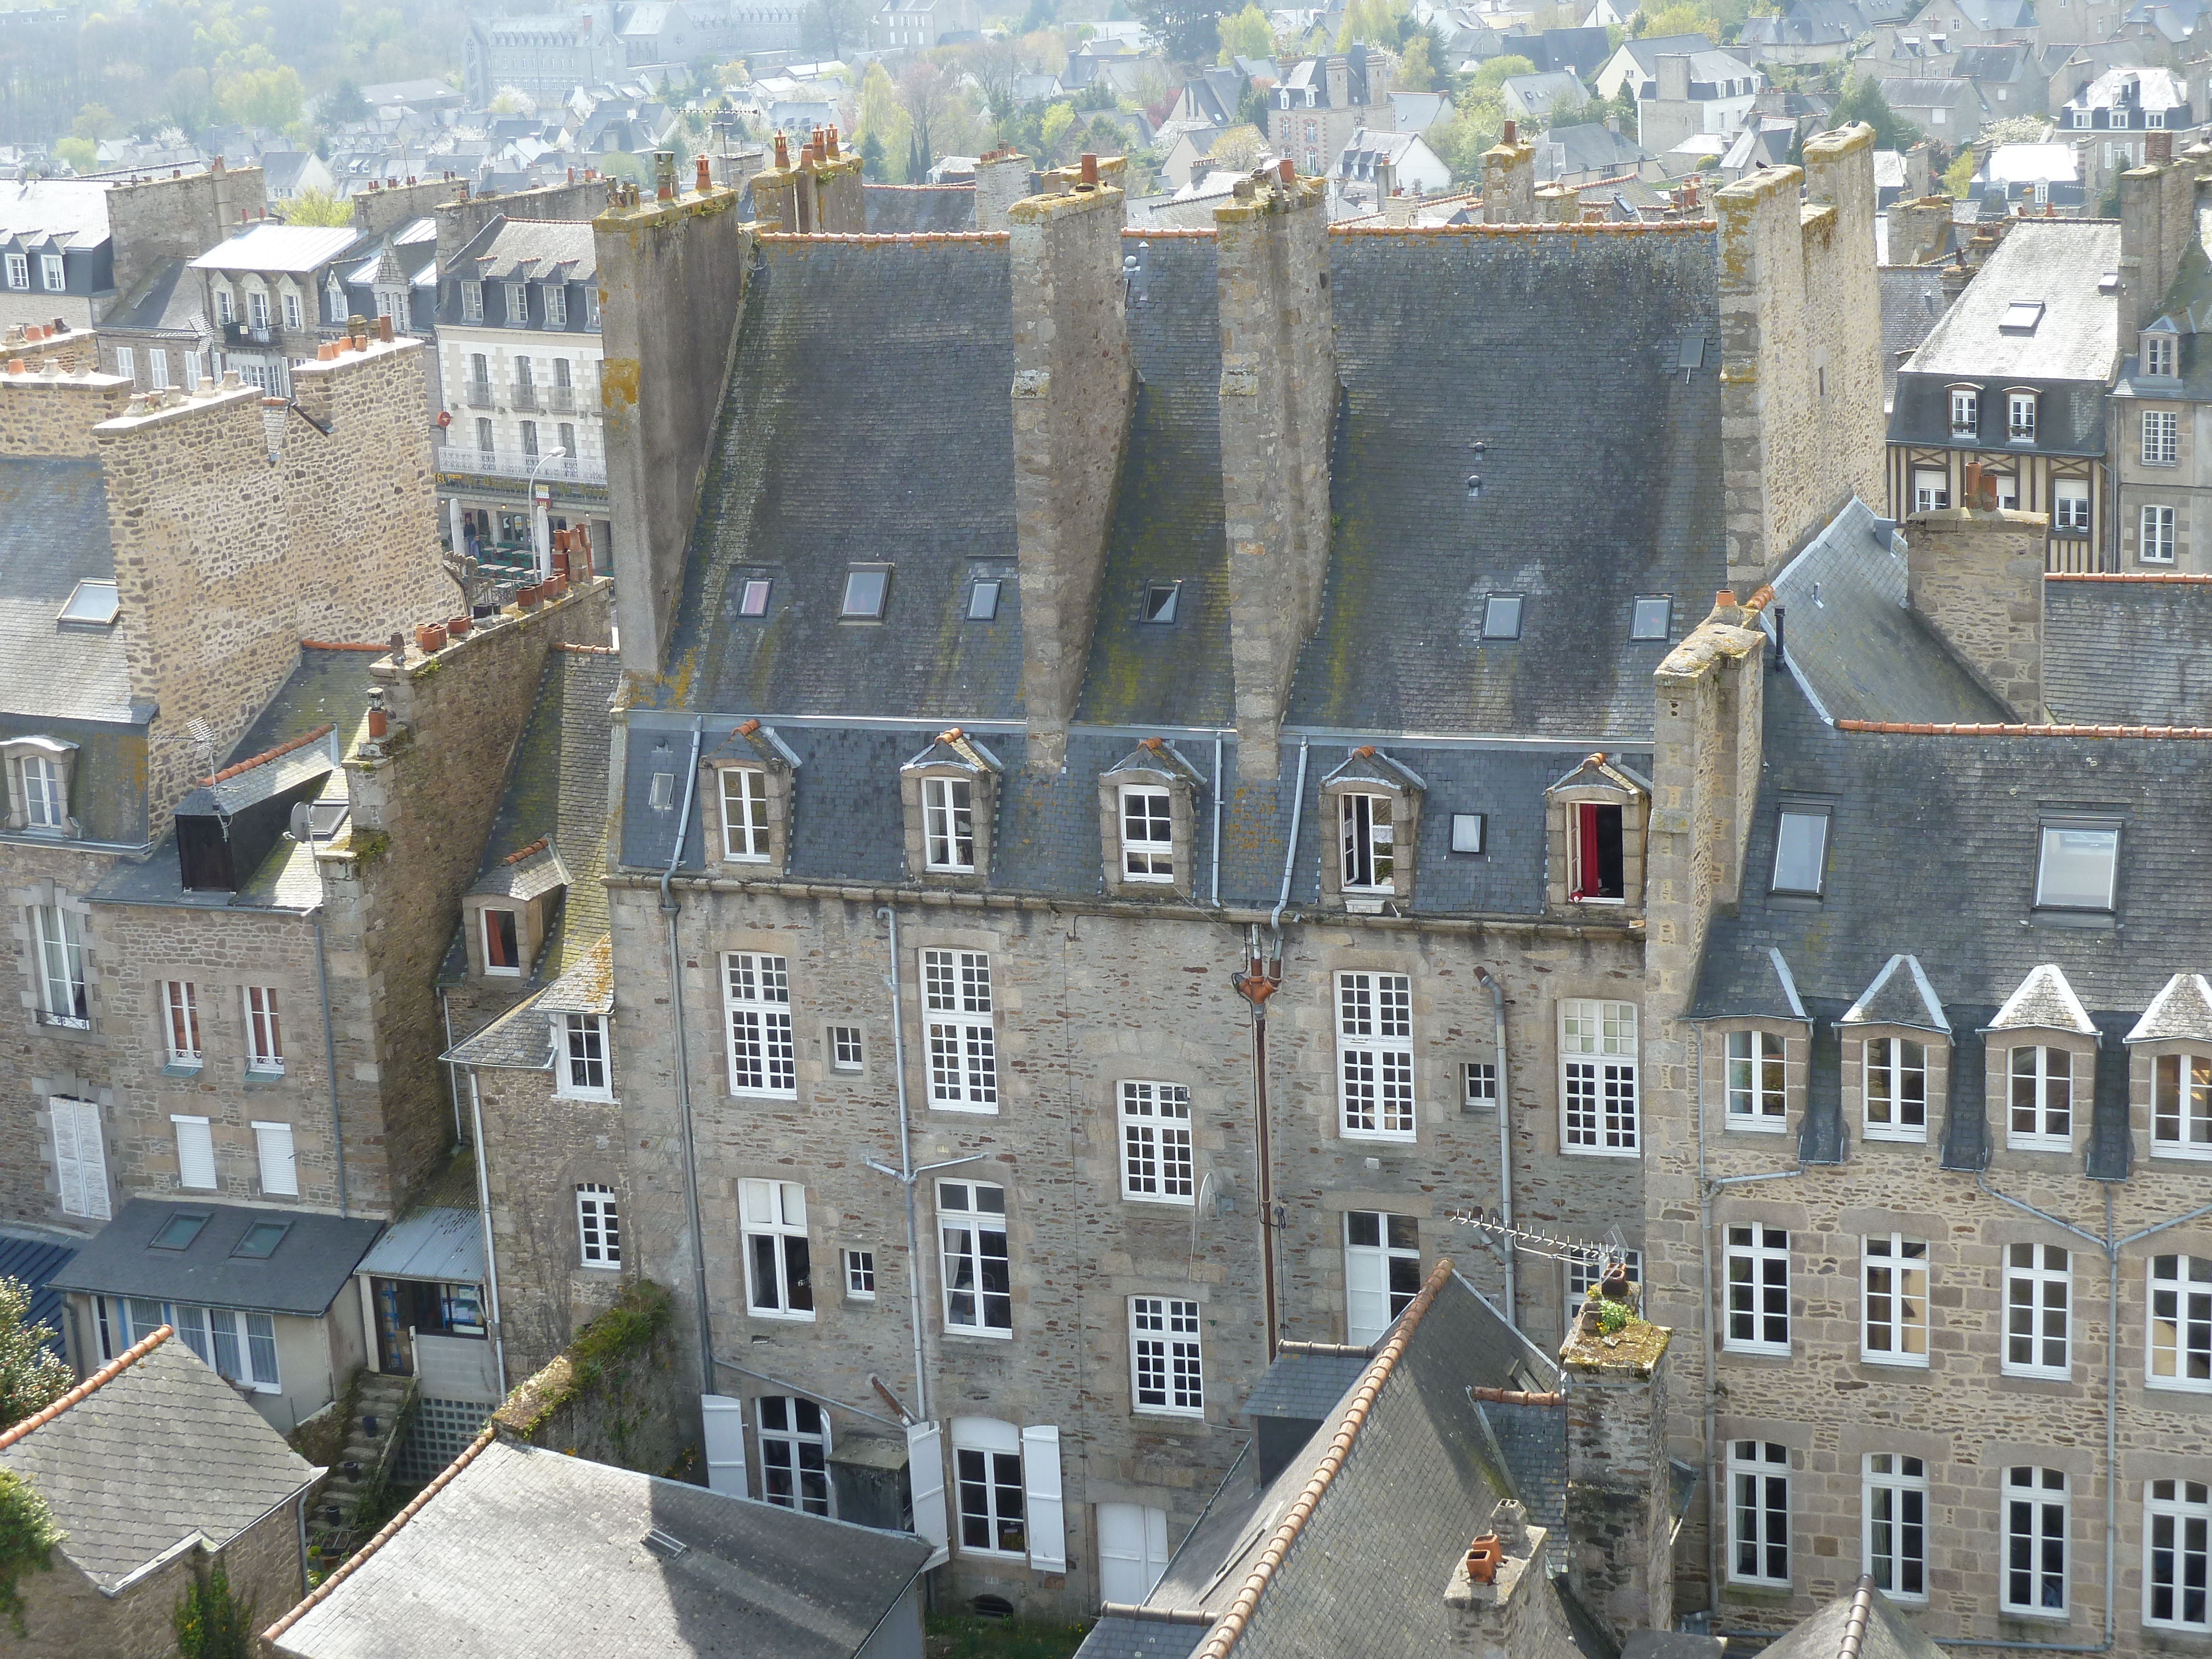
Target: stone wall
point(2158, 222)
point(179, 217)
point(53, 413)
point(386, 207)
point(620, 1393)
point(1977, 576)
point(45, 348)
point(1619, 1513)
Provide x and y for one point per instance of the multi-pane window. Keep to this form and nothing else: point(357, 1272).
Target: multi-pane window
point(2177, 1554)
point(963, 1058)
point(53, 272)
point(1895, 1074)
point(2035, 1541)
point(1896, 1503)
point(557, 305)
point(1966, 413)
point(79, 1159)
point(1931, 490)
point(1375, 1054)
point(948, 824)
point(1156, 1154)
point(756, 996)
point(240, 1347)
point(181, 1023)
point(1758, 1261)
point(19, 271)
point(265, 1031)
point(1382, 1272)
point(794, 1444)
point(2038, 1310)
point(2157, 544)
point(1893, 1326)
point(292, 310)
point(2181, 1322)
point(40, 781)
point(584, 1055)
point(2071, 498)
point(1147, 834)
point(1597, 1092)
point(1756, 1096)
point(2159, 353)
point(2019, 417)
point(2040, 1116)
point(2181, 1106)
point(1481, 1079)
point(992, 1512)
point(1368, 839)
point(1165, 1372)
point(1585, 1272)
point(280, 1166)
point(780, 1272)
point(1759, 1512)
point(971, 1224)
point(847, 1052)
point(60, 938)
point(518, 305)
point(2161, 430)
point(744, 815)
point(599, 1226)
point(860, 1275)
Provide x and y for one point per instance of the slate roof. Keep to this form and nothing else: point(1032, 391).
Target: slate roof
point(1900, 995)
point(1886, 1633)
point(906, 209)
point(53, 534)
point(2059, 262)
point(271, 246)
point(163, 303)
point(1911, 301)
point(1858, 650)
point(1591, 146)
point(530, 250)
point(2133, 650)
point(163, 1450)
point(1305, 1386)
point(525, 1551)
point(2182, 1012)
point(74, 211)
point(302, 1276)
point(2043, 1001)
point(33, 1262)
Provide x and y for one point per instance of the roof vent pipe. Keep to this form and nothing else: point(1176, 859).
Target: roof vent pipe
point(1775, 611)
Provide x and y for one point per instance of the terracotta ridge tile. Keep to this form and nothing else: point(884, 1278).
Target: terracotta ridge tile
point(1994, 729)
point(522, 852)
point(268, 755)
point(107, 1374)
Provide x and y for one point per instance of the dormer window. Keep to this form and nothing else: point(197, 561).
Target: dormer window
point(1595, 818)
point(950, 791)
point(1599, 873)
point(744, 815)
point(2019, 417)
point(1147, 834)
point(2160, 354)
point(949, 825)
point(1368, 847)
point(1372, 802)
point(2079, 865)
point(472, 302)
point(557, 305)
point(1146, 814)
point(1965, 412)
point(501, 949)
point(518, 305)
point(38, 777)
point(41, 783)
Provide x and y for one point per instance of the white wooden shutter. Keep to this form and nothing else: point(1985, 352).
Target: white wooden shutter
point(195, 1151)
point(69, 1168)
point(1366, 1291)
point(1122, 1574)
point(1048, 1514)
point(92, 1160)
point(724, 1427)
point(925, 1474)
point(279, 1171)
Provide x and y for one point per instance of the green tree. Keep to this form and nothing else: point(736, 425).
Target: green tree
point(81, 154)
point(1478, 121)
point(317, 207)
point(31, 1374)
point(213, 1624)
point(883, 119)
point(1863, 101)
point(95, 122)
point(261, 97)
point(1683, 17)
point(1058, 118)
point(344, 104)
point(1188, 28)
point(1238, 150)
point(1247, 35)
point(831, 26)
point(1495, 73)
point(1375, 21)
point(1416, 72)
point(1959, 177)
point(28, 1536)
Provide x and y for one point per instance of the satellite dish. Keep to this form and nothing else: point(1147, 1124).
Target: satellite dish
point(303, 820)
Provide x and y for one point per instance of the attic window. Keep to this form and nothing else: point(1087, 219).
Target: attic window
point(661, 796)
point(181, 1229)
point(1501, 616)
point(866, 586)
point(1468, 831)
point(1160, 599)
point(1691, 354)
point(752, 601)
point(2020, 317)
point(2078, 863)
point(1654, 616)
point(667, 1545)
point(1801, 850)
point(983, 602)
point(262, 1239)
point(93, 602)
point(1599, 868)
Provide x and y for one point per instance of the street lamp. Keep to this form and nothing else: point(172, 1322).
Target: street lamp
point(541, 536)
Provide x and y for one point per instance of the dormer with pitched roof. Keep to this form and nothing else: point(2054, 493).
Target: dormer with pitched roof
point(1596, 819)
point(1371, 805)
point(950, 793)
point(1897, 1055)
point(1147, 822)
point(2042, 1051)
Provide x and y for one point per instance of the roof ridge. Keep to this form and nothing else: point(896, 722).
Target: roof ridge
point(268, 755)
point(558, 645)
point(1992, 729)
point(522, 852)
point(2186, 578)
point(99, 1379)
point(1857, 1619)
point(1578, 228)
point(1339, 1447)
point(484, 1438)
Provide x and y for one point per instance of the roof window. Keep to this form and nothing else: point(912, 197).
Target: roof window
point(866, 588)
point(1160, 600)
point(94, 602)
point(2020, 317)
point(752, 598)
point(2078, 866)
point(1501, 616)
point(983, 602)
point(262, 1239)
point(181, 1229)
point(1801, 850)
point(1468, 831)
point(1654, 617)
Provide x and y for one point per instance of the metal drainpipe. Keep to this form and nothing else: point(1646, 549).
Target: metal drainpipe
point(1217, 821)
point(671, 909)
point(484, 1210)
point(1483, 977)
point(1290, 850)
point(331, 1060)
point(906, 1173)
point(453, 1072)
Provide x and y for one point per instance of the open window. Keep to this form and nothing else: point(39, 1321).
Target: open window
point(1371, 805)
point(1598, 874)
point(950, 793)
point(1595, 817)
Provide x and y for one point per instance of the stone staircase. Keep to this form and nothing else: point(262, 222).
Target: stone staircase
point(371, 1447)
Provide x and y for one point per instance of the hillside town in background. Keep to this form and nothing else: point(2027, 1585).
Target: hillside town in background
point(1133, 831)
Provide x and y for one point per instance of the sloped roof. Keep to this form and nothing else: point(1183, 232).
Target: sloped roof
point(74, 211)
point(314, 1261)
point(1861, 1626)
point(1900, 995)
point(163, 301)
point(53, 534)
point(2043, 1001)
point(2059, 262)
point(150, 1452)
point(33, 1263)
point(2182, 1012)
point(296, 249)
point(2161, 626)
point(442, 1244)
point(903, 209)
point(531, 250)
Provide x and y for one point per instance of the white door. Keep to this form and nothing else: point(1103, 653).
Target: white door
point(1132, 1551)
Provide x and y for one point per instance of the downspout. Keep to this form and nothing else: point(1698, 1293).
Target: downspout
point(905, 1173)
point(329, 1059)
point(1260, 982)
point(1290, 850)
point(671, 909)
point(1217, 822)
point(1490, 981)
point(483, 1212)
point(453, 1072)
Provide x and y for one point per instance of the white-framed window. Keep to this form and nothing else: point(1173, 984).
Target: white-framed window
point(19, 271)
point(948, 825)
point(2040, 1115)
point(280, 1166)
point(1597, 1088)
point(1895, 1490)
point(1166, 1373)
point(859, 1275)
point(265, 1032)
point(195, 1152)
point(1801, 850)
point(55, 275)
point(2181, 1106)
point(2035, 1542)
point(1966, 413)
point(744, 815)
point(963, 1058)
point(794, 1443)
point(598, 1226)
point(157, 369)
point(848, 1053)
point(2156, 546)
point(192, 363)
point(226, 309)
point(1368, 843)
point(1583, 1273)
point(987, 1477)
point(1756, 1259)
point(292, 319)
point(257, 310)
point(1894, 1302)
point(126, 362)
point(1894, 1073)
point(1481, 1076)
point(62, 996)
point(1759, 1512)
point(2162, 437)
point(1375, 1055)
point(2039, 1311)
point(335, 298)
point(1147, 834)
point(756, 998)
point(778, 1272)
point(2079, 121)
point(518, 305)
point(38, 787)
point(1155, 1150)
point(1931, 489)
point(2078, 866)
point(502, 953)
point(1597, 866)
point(971, 1225)
point(181, 1023)
point(472, 303)
point(2019, 417)
point(2181, 1349)
point(1757, 1098)
point(80, 1157)
point(2071, 497)
point(557, 305)
point(583, 1039)
point(2177, 1554)
point(2161, 354)
point(240, 1347)
point(2007, 489)
point(1382, 1272)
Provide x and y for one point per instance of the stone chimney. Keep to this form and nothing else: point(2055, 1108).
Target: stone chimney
point(1508, 180)
point(1919, 171)
point(1278, 407)
point(783, 192)
point(1499, 1600)
point(2157, 218)
point(1620, 1512)
point(1919, 227)
point(1073, 386)
point(1336, 73)
point(1674, 78)
point(1002, 179)
point(840, 207)
point(1975, 572)
point(1558, 205)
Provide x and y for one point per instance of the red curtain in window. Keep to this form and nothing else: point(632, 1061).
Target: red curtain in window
point(1586, 859)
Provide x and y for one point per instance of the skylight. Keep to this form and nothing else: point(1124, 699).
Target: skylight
point(1801, 850)
point(1467, 831)
point(1501, 616)
point(2020, 317)
point(93, 601)
point(752, 599)
point(1160, 602)
point(1655, 614)
point(181, 1229)
point(2078, 867)
point(865, 588)
point(262, 1239)
point(983, 602)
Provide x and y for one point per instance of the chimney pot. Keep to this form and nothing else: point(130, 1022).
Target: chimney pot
point(833, 141)
point(1512, 134)
point(1482, 1558)
point(1089, 169)
point(783, 154)
point(1725, 600)
point(704, 178)
point(1288, 170)
point(384, 330)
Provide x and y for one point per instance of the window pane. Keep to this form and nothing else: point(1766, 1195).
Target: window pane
point(2077, 868)
point(1799, 848)
point(864, 592)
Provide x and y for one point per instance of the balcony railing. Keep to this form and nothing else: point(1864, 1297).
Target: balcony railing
point(514, 464)
point(561, 400)
point(479, 394)
point(527, 400)
point(244, 334)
